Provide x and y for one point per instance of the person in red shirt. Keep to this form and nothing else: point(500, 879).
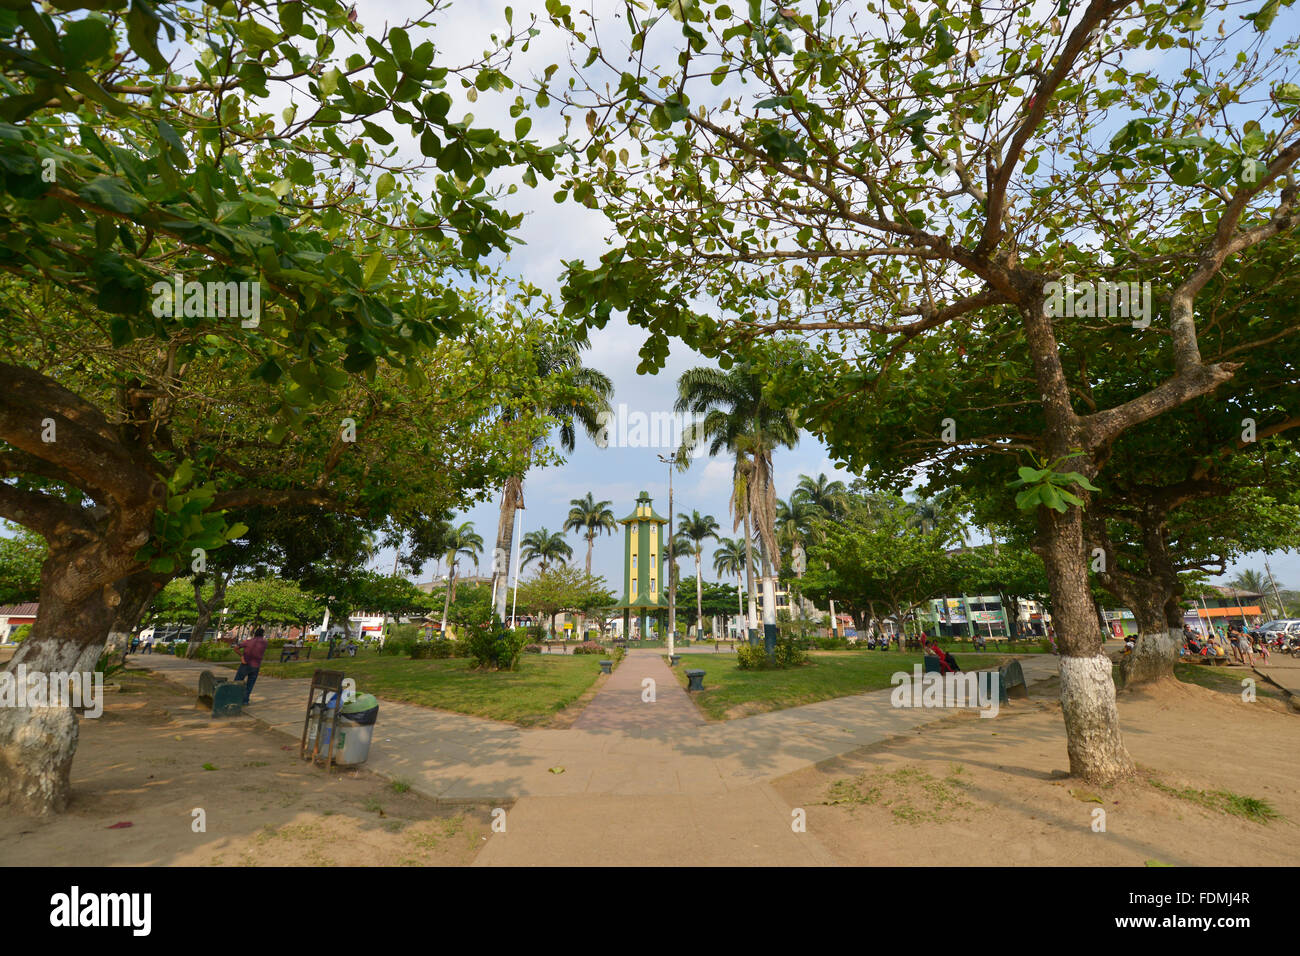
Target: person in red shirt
point(251, 652)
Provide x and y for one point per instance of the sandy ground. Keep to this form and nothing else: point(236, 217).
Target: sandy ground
point(143, 763)
point(995, 791)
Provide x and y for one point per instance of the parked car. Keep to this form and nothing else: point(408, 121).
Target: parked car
point(1284, 633)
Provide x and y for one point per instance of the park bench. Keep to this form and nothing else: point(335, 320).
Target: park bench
point(674, 660)
point(226, 695)
point(607, 667)
point(695, 680)
point(1011, 682)
point(293, 652)
point(911, 644)
point(718, 644)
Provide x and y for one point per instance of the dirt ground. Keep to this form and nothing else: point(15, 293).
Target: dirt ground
point(995, 791)
point(143, 763)
point(1219, 783)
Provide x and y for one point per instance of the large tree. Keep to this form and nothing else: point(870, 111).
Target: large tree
point(579, 399)
point(590, 518)
point(697, 529)
point(876, 182)
point(213, 302)
point(734, 415)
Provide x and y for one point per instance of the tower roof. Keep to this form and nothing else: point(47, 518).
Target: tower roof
point(644, 511)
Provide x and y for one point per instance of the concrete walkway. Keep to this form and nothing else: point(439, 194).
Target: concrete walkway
point(632, 783)
point(624, 702)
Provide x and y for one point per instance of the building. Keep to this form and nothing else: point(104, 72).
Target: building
point(982, 614)
point(1222, 606)
point(14, 616)
point(642, 596)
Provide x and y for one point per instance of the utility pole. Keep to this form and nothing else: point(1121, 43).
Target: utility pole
point(1281, 610)
point(671, 461)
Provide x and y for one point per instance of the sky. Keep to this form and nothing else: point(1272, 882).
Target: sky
point(554, 233)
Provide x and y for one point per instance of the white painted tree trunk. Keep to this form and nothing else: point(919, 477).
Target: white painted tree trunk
point(1153, 657)
point(1095, 745)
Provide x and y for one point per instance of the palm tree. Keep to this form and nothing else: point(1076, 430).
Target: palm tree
point(674, 549)
point(559, 360)
point(925, 513)
point(591, 517)
point(831, 498)
point(797, 521)
point(1253, 582)
point(697, 529)
point(462, 541)
point(729, 558)
point(943, 510)
point(545, 546)
point(738, 419)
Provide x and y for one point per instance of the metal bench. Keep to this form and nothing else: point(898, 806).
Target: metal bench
point(293, 652)
point(226, 695)
point(1011, 682)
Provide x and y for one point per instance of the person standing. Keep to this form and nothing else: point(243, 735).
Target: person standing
point(251, 652)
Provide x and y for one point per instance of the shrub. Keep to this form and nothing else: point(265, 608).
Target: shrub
point(440, 649)
point(395, 645)
point(19, 633)
point(588, 647)
point(753, 657)
point(830, 643)
point(215, 651)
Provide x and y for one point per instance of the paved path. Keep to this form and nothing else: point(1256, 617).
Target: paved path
point(632, 782)
point(623, 703)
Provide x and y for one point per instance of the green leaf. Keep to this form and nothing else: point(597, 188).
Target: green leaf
point(377, 267)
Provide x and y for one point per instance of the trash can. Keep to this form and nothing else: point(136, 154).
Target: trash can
point(356, 727)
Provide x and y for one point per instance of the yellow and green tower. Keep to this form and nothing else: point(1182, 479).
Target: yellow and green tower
point(644, 591)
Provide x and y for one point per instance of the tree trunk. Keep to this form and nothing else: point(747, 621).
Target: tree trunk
point(37, 744)
point(446, 605)
point(1093, 740)
point(699, 596)
point(205, 609)
point(512, 499)
point(752, 623)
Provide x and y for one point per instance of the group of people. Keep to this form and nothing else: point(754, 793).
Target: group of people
point(1234, 644)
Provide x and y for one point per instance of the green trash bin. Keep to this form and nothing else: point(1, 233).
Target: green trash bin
point(356, 727)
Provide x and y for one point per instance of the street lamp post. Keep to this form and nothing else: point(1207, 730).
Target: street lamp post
point(671, 461)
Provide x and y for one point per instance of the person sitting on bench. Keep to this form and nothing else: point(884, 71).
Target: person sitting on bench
point(947, 663)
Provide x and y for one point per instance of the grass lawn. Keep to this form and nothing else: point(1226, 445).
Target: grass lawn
point(544, 684)
point(731, 692)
